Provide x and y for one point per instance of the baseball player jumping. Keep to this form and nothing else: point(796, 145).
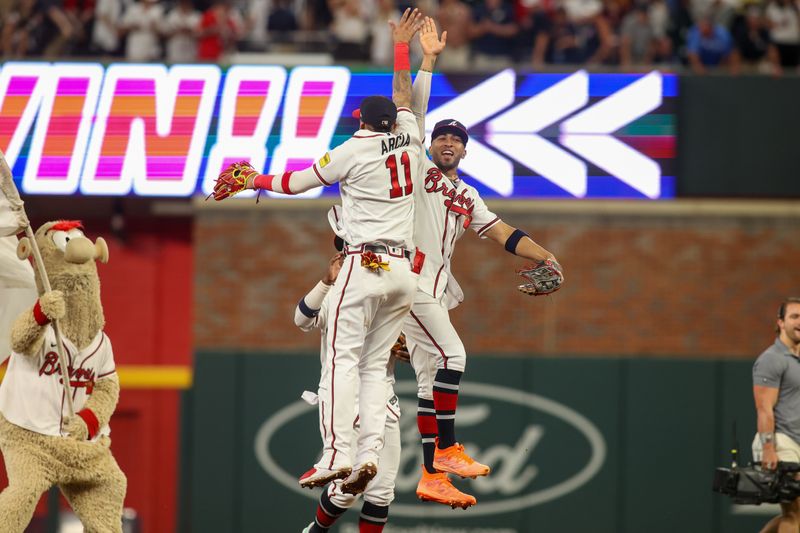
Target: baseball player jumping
point(378, 171)
point(445, 207)
point(311, 313)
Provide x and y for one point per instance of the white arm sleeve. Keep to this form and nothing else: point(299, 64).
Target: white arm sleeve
point(303, 180)
point(420, 95)
point(306, 313)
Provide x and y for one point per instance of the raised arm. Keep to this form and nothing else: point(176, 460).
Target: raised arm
point(27, 333)
point(402, 32)
point(432, 46)
point(240, 176)
point(306, 314)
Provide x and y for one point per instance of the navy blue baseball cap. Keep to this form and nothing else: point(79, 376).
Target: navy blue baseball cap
point(377, 111)
point(450, 126)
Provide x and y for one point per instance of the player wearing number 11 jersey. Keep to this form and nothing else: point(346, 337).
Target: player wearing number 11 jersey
point(377, 171)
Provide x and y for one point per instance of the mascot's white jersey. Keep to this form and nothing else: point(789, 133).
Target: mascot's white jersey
point(32, 396)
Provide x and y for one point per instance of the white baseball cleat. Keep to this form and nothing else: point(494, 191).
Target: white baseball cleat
point(319, 477)
point(308, 528)
point(357, 481)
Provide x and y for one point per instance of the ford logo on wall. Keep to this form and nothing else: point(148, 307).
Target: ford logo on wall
point(539, 449)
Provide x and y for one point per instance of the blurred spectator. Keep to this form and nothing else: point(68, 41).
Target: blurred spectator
point(382, 48)
point(720, 11)
point(534, 32)
point(80, 14)
point(784, 23)
point(141, 22)
point(455, 18)
point(709, 45)
point(636, 38)
point(595, 38)
point(317, 15)
point(493, 31)
point(105, 33)
point(220, 28)
point(58, 32)
point(658, 13)
point(180, 30)
point(281, 21)
point(563, 47)
point(681, 22)
point(22, 29)
point(751, 35)
point(349, 30)
point(258, 16)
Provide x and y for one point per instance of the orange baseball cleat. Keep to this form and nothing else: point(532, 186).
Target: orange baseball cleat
point(456, 461)
point(438, 488)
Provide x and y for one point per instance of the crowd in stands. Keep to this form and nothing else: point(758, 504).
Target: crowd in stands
point(753, 35)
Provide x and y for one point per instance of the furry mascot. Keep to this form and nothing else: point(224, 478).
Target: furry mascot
point(41, 445)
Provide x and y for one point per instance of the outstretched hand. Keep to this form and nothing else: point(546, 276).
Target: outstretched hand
point(409, 24)
point(334, 267)
point(432, 45)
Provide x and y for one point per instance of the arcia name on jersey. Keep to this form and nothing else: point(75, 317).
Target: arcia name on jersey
point(393, 143)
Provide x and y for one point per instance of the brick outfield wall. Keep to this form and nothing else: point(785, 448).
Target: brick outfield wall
point(688, 286)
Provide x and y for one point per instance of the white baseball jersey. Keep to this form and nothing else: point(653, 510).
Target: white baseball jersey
point(32, 396)
point(375, 175)
point(320, 321)
point(444, 210)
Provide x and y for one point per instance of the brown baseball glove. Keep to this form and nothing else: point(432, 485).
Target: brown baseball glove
point(544, 277)
point(400, 350)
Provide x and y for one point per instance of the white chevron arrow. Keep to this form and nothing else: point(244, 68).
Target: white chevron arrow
point(473, 107)
point(617, 110)
point(619, 160)
point(514, 132)
point(588, 134)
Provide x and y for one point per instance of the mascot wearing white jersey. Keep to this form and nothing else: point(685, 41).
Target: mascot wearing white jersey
point(41, 445)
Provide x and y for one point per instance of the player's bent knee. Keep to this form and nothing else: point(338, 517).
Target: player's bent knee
point(344, 501)
point(381, 500)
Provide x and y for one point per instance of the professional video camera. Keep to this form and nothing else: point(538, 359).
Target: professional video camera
point(753, 485)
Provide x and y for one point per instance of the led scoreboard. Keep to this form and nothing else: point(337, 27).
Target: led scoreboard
point(154, 130)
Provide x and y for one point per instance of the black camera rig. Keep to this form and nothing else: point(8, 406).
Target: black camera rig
point(754, 485)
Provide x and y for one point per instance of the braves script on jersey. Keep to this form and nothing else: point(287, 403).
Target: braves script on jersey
point(375, 174)
point(32, 396)
point(444, 210)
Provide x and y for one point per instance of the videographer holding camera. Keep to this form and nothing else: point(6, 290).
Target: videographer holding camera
point(776, 388)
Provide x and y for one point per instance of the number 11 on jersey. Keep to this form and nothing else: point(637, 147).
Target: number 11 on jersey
point(391, 163)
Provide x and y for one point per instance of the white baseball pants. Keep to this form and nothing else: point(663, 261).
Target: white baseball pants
point(364, 319)
point(432, 341)
point(379, 491)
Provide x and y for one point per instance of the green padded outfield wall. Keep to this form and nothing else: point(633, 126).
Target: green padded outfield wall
point(576, 445)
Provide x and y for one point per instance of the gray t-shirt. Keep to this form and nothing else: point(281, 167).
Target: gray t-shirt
point(778, 368)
